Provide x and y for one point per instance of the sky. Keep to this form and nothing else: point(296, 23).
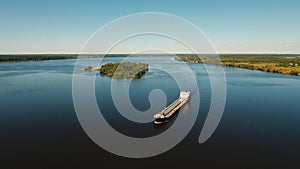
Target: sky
point(232, 26)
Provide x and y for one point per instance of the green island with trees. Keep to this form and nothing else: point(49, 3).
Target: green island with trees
point(122, 70)
point(283, 64)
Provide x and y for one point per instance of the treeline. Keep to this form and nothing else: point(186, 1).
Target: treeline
point(41, 57)
point(280, 60)
point(36, 57)
point(283, 64)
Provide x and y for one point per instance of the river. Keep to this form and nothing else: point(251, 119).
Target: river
point(260, 127)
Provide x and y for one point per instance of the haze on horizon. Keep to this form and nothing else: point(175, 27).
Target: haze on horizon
point(233, 26)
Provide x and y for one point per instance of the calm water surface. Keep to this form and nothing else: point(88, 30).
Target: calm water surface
point(260, 127)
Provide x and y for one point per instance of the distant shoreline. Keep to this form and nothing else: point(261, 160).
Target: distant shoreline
point(274, 63)
point(281, 64)
point(11, 58)
point(34, 57)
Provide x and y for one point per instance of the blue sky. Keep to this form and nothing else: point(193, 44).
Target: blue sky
point(233, 26)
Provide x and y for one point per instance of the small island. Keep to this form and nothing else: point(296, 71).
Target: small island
point(289, 64)
point(122, 70)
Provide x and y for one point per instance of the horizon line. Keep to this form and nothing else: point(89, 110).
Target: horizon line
point(233, 53)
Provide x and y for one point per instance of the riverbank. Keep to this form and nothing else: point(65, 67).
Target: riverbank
point(282, 64)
